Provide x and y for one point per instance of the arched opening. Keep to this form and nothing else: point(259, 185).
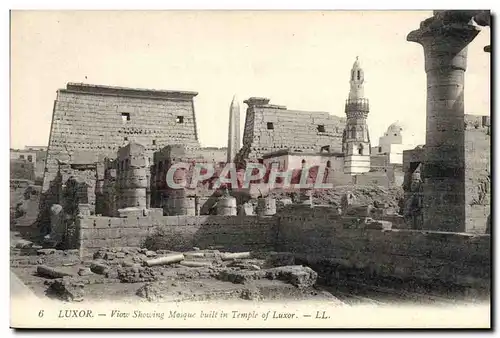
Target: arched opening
point(328, 164)
point(303, 163)
point(359, 75)
point(360, 149)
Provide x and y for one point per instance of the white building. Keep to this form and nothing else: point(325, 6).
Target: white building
point(287, 159)
point(392, 144)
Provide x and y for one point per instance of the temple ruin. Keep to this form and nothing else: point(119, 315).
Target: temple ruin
point(111, 150)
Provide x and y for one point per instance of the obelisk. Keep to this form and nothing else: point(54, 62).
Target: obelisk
point(233, 141)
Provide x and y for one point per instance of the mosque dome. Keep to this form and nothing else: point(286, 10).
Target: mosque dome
point(395, 127)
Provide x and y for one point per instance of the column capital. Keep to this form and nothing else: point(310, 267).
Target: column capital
point(444, 41)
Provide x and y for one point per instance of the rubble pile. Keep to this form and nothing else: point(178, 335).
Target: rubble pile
point(150, 291)
point(300, 276)
point(66, 289)
point(375, 196)
point(188, 274)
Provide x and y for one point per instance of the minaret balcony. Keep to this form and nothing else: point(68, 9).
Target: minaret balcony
point(357, 105)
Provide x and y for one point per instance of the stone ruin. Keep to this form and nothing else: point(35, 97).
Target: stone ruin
point(104, 189)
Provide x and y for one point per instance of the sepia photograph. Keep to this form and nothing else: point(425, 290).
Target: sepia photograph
point(250, 169)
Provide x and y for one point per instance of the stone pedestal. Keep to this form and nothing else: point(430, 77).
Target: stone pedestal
point(445, 47)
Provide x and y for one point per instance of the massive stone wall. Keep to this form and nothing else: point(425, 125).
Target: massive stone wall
point(97, 120)
point(477, 173)
point(317, 234)
point(271, 128)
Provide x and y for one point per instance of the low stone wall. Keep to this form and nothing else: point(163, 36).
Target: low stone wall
point(232, 233)
point(313, 235)
point(317, 234)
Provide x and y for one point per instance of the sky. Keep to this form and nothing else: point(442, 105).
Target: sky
point(300, 59)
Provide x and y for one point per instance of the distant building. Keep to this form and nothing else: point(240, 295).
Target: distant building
point(287, 159)
point(31, 154)
point(392, 144)
point(22, 169)
point(35, 148)
point(17, 154)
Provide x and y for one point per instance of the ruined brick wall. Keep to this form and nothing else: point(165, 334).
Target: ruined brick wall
point(477, 172)
point(320, 233)
point(100, 119)
point(271, 128)
point(178, 232)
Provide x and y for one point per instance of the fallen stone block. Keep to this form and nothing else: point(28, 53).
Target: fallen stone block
point(46, 251)
point(67, 289)
point(277, 259)
point(112, 273)
point(378, 225)
point(195, 264)
point(100, 254)
point(131, 250)
point(251, 293)
point(23, 244)
point(110, 256)
point(84, 272)
point(244, 265)
point(150, 253)
point(50, 272)
point(240, 276)
point(137, 275)
point(99, 268)
point(151, 291)
point(297, 275)
point(194, 254)
point(236, 255)
point(129, 264)
point(165, 260)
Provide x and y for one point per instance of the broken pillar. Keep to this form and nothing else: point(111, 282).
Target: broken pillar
point(131, 176)
point(226, 205)
point(266, 206)
point(180, 204)
point(444, 38)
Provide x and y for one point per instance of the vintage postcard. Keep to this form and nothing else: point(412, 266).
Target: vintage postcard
point(250, 169)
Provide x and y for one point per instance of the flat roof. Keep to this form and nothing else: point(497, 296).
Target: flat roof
point(85, 88)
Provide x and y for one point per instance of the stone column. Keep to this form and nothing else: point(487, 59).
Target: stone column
point(445, 47)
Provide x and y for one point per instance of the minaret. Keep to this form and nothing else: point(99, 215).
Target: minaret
point(356, 140)
point(233, 141)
